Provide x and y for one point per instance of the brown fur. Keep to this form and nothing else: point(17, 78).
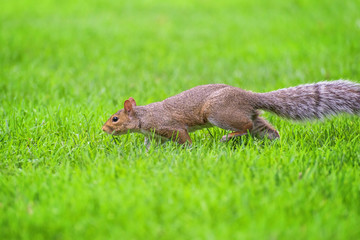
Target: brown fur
point(232, 109)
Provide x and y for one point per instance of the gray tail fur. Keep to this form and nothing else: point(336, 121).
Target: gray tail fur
point(311, 101)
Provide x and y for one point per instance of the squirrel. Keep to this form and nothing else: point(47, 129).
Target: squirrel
point(233, 109)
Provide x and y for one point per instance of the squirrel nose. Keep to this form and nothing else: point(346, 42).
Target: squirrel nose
point(103, 128)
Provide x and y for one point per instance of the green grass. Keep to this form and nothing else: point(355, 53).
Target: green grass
point(66, 66)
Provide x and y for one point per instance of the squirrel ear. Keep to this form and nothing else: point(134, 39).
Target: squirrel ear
point(128, 106)
point(132, 101)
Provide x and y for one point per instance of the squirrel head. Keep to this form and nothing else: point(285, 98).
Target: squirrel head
point(123, 120)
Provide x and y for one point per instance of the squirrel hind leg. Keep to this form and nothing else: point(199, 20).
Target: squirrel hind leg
point(232, 135)
point(263, 128)
point(258, 127)
point(227, 119)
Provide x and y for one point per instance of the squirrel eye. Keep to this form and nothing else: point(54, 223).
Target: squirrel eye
point(114, 119)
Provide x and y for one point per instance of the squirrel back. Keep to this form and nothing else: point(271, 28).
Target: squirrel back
point(312, 101)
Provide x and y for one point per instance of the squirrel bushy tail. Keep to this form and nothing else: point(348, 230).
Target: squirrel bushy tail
point(312, 101)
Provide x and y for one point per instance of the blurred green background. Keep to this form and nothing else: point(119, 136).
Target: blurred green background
point(66, 66)
point(72, 49)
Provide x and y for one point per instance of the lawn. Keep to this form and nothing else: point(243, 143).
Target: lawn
point(66, 66)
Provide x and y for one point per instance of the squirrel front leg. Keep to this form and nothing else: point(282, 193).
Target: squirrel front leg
point(158, 139)
point(183, 137)
point(180, 136)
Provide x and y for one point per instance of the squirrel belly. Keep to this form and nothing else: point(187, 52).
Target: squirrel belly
point(234, 109)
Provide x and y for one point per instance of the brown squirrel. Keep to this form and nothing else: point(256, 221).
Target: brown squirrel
point(234, 109)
